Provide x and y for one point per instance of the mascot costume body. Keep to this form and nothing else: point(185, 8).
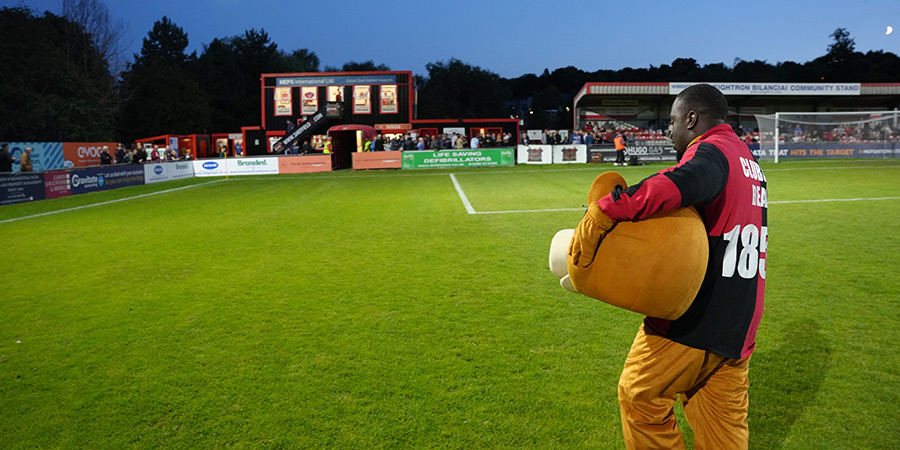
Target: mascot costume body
point(653, 266)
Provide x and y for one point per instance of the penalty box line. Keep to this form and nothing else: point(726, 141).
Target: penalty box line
point(471, 210)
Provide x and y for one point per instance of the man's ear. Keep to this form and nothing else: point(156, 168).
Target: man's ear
point(691, 119)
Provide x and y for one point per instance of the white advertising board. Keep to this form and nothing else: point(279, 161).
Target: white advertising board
point(155, 173)
point(570, 154)
point(235, 166)
point(534, 154)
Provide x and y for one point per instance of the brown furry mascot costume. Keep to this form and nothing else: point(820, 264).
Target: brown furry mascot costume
point(653, 266)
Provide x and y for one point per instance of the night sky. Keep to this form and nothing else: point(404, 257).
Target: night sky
point(512, 38)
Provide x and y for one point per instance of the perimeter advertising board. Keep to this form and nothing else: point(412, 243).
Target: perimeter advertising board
point(534, 154)
point(480, 157)
point(304, 164)
point(21, 188)
point(235, 166)
point(57, 184)
point(44, 155)
point(828, 150)
point(570, 154)
point(105, 178)
point(84, 154)
point(155, 173)
point(652, 151)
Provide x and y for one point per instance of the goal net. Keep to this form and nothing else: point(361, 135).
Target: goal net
point(858, 134)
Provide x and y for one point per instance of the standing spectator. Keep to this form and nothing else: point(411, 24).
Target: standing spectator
point(420, 145)
point(589, 139)
point(154, 154)
point(576, 137)
point(120, 154)
point(5, 158)
point(306, 148)
point(378, 146)
point(126, 156)
point(474, 142)
point(170, 154)
point(461, 142)
point(139, 156)
point(620, 149)
point(25, 163)
point(105, 157)
point(395, 143)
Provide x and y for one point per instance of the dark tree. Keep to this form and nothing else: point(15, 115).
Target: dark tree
point(163, 96)
point(455, 89)
point(364, 66)
point(56, 85)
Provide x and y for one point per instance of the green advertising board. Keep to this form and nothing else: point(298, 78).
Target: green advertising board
point(479, 157)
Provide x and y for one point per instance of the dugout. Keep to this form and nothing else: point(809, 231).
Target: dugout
point(647, 105)
point(198, 144)
point(233, 142)
point(469, 128)
point(346, 140)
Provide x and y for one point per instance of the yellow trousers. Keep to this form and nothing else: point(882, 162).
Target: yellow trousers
point(713, 391)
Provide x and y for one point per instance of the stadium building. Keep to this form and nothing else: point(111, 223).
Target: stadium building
point(646, 105)
point(349, 107)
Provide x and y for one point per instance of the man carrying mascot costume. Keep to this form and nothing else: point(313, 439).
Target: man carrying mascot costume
point(700, 353)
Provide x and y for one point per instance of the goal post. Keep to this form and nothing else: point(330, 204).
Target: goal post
point(852, 134)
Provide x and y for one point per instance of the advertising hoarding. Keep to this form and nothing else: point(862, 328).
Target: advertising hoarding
point(156, 173)
point(105, 178)
point(19, 188)
point(534, 154)
point(570, 154)
point(481, 157)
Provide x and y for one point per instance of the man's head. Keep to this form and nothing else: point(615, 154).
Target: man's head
point(695, 110)
point(28, 150)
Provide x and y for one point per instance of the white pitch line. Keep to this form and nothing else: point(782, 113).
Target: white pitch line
point(527, 211)
point(105, 203)
point(462, 195)
point(835, 200)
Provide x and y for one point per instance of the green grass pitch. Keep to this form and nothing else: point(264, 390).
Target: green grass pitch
point(370, 310)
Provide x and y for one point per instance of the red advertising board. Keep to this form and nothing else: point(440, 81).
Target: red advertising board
point(57, 184)
point(377, 160)
point(304, 164)
point(83, 154)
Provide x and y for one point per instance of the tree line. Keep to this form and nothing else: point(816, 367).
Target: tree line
point(63, 79)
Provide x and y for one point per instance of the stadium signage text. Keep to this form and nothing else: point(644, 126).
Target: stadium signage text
point(336, 81)
point(463, 158)
point(776, 88)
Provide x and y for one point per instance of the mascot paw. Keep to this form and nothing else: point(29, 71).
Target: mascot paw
point(559, 249)
point(566, 284)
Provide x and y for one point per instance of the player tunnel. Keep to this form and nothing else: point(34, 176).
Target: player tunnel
point(346, 139)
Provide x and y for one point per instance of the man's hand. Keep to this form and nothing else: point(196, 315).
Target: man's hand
point(595, 224)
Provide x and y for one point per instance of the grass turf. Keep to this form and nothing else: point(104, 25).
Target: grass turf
point(359, 310)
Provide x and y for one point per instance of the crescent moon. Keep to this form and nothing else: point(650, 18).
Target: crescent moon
point(890, 30)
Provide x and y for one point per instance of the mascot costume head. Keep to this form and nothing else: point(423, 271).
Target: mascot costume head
point(653, 266)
